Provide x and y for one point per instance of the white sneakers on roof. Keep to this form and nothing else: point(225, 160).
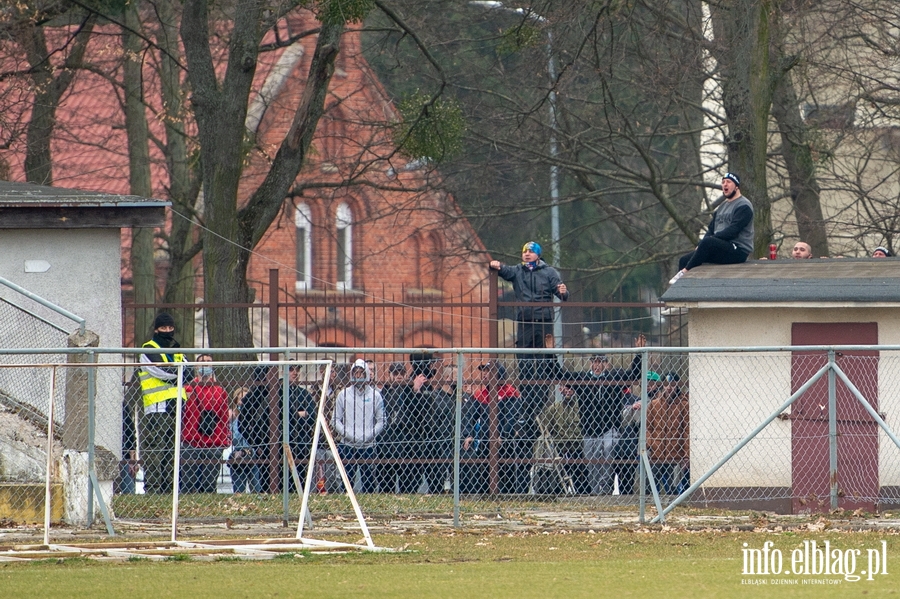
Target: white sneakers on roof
point(677, 276)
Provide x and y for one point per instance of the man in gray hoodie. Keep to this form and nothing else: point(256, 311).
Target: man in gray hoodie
point(358, 420)
point(729, 238)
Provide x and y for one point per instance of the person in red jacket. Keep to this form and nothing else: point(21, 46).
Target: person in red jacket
point(205, 431)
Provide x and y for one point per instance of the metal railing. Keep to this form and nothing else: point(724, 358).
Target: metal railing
point(480, 317)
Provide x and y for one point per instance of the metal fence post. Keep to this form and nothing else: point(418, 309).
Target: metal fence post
point(642, 440)
point(48, 474)
point(285, 439)
point(493, 312)
point(494, 433)
point(457, 435)
point(273, 312)
point(832, 433)
point(94, 490)
point(176, 462)
point(91, 431)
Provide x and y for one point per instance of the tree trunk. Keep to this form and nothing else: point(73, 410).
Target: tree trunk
point(221, 109)
point(143, 271)
point(48, 89)
point(181, 244)
point(795, 149)
point(741, 29)
point(38, 165)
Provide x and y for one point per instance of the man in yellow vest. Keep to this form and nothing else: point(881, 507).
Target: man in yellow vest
point(159, 388)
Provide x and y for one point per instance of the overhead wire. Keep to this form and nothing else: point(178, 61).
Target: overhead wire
point(373, 296)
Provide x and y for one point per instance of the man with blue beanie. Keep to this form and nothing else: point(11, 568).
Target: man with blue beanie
point(533, 281)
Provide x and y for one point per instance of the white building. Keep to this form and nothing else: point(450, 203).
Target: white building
point(62, 246)
point(792, 303)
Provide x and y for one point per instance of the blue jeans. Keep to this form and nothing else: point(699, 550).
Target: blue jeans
point(244, 473)
point(366, 480)
point(126, 478)
point(664, 476)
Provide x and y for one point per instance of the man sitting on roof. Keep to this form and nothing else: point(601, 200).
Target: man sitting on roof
point(729, 238)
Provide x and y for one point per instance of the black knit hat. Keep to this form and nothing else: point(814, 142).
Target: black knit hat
point(163, 319)
point(734, 178)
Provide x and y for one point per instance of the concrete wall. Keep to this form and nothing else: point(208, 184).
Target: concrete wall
point(84, 278)
point(731, 394)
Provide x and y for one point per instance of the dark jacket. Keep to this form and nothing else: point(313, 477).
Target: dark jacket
point(255, 415)
point(600, 404)
point(300, 430)
point(538, 285)
point(433, 427)
point(400, 415)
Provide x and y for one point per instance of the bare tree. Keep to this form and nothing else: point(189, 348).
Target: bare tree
point(643, 90)
point(220, 107)
point(50, 71)
point(143, 268)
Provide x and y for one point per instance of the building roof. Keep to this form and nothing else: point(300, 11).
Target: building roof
point(29, 206)
point(818, 281)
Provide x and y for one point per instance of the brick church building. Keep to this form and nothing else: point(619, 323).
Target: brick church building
point(370, 251)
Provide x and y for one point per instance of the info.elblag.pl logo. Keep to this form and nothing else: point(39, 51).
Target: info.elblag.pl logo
point(813, 559)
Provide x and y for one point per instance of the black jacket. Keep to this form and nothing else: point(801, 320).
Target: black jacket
point(538, 285)
point(600, 404)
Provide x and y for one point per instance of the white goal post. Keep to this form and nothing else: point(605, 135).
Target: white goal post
point(322, 427)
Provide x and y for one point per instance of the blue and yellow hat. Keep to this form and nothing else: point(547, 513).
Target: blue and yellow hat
point(532, 246)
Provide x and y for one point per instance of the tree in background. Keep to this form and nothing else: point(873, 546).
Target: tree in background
point(186, 100)
point(651, 101)
point(654, 101)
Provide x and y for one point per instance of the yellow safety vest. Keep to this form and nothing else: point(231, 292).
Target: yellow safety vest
point(155, 390)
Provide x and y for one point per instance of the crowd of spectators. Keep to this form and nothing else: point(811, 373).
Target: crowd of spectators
point(396, 434)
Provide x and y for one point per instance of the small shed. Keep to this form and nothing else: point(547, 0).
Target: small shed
point(793, 303)
point(65, 245)
point(62, 246)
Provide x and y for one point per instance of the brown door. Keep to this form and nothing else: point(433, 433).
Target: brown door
point(857, 442)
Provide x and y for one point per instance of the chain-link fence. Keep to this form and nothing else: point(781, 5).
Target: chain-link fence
point(465, 432)
point(25, 398)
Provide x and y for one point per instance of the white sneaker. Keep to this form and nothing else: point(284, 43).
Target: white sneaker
point(677, 276)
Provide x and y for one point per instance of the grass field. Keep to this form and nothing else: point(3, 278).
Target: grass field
point(618, 563)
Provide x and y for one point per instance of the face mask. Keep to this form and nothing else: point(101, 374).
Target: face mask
point(205, 370)
point(359, 382)
point(170, 336)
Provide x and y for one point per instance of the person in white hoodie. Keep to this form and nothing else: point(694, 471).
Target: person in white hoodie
point(358, 420)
